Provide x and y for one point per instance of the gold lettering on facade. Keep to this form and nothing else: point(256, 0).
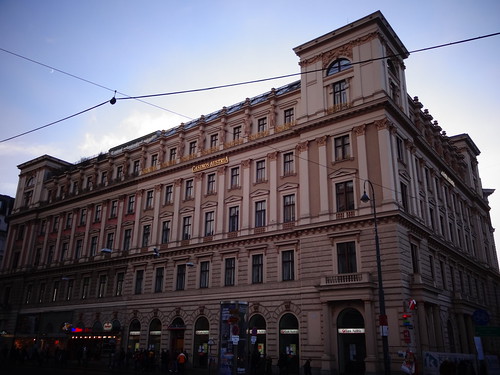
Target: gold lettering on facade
point(210, 164)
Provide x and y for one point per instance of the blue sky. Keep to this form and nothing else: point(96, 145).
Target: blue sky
point(153, 46)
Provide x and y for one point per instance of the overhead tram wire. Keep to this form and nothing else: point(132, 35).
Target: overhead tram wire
point(90, 82)
point(215, 87)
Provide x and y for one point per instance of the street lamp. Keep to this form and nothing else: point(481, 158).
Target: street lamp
point(382, 317)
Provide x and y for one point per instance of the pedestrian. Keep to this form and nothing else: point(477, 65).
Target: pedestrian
point(181, 362)
point(307, 367)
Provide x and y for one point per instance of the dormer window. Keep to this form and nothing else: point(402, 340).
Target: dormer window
point(338, 66)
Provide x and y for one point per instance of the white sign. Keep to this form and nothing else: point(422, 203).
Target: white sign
point(351, 330)
point(235, 339)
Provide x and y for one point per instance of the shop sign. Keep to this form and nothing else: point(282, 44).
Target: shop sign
point(351, 330)
point(202, 332)
point(289, 331)
point(107, 326)
point(154, 333)
point(135, 333)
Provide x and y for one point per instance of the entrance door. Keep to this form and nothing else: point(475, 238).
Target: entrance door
point(351, 337)
point(177, 329)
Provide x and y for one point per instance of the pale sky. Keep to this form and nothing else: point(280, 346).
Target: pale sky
point(147, 47)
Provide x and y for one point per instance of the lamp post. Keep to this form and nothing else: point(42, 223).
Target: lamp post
point(382, 317)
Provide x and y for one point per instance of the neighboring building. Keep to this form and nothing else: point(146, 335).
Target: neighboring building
point(260, 203)
point(6, 204)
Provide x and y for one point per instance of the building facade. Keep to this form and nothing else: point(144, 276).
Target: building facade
point(6, 204)
point(157, 243)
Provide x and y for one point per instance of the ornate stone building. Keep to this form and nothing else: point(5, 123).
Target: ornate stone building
point(259, 203)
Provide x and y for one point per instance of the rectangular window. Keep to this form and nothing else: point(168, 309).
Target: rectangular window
point(41, 293)
point(119, 284)
point(127, 238)
point(192, 148)
point(214, 140)
point(400, 149)
point(165, 232)
point(78, 248)
point(211, 184)
point(404, 196)
point(104, 178)
point(288, 265)
point(234, 213)
point(236, 133)
point(339, 93)
point(288, 115)
point(85, 287)
point(139, 278)
point(204, 274)
point(181, 277)
point(289, 208)
point(149, 199)
point(69, 290)
point(55, 224)
point(69, 220)
point(414, 258)
point(55, 291)
point(260, 214)
point(50, 254)
point(345, 196)
point(83, 216)
point(169, 192)
point(102, 286)
point(159, 280)
point(229, 271)
point(235, 178)
point(188, 189)
point(113, 212)
point(119, 172)
point(109, 240)
point(146, 231)
point(261, 125)
point(154, 160)
point(186, 228)
point(346, 257)
point(209, 223)
point(342, 148)
point(136, 167)
point(64, 251)
point(172, 154)
point(288, 165)
point(257, 269)
point(131, 204)
point(29, 291)
point(260, 171)
point(97, 213)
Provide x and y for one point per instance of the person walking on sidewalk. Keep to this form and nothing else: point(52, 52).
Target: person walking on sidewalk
point(181, 362)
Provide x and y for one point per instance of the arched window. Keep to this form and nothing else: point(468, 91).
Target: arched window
point(337, 66)
point(30, 182)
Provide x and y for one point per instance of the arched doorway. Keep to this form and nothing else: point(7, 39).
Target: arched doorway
point(134, 335)
point(289, 342)
point(257, 332)
point(352, 346)
point(154, 337)
point(177, 329)
point(200, 349)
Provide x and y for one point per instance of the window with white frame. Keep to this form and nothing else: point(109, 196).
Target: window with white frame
point(346, 257)
point(342, 147)
point(169, 194)
point(235, 177)
point(260, 214)
point(288, 208)
point(149, 199)
point(257, 268)
point(229, 271)
point(209, 223)
point(288, 164)
point(204, 274)
point(188, 189)
point(340, 93)
point(211, 184)
point(344, 192)
point(234, 213)
point(165, 232)
point(288, 265)
point(260, 171)
point(186, 227)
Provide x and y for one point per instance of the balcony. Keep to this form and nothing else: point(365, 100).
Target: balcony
point(345, 278)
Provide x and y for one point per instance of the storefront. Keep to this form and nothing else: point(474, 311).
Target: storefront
point(154, 337)
point(177, 329)
point(201, 348)
point(134, 335)
point(351, 338)
point(289, 342)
